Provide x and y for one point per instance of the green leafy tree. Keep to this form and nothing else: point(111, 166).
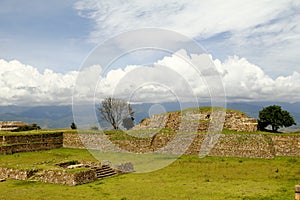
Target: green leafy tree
point(35, 127)
point(275, 117)
point(114, 111)
point(73, 126)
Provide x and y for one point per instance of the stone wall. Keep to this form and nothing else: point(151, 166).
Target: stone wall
point(96, 141)
point(235, 145)
point(67, 178)
point(228, 145)
point(240, 122)
point(244, 145)
point(72, 140)
point(16, 174)
point(286, 145)
point(50, 176)
point(34, 142)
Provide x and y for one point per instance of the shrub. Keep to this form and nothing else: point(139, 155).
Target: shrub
point(27, 128)
point(73, 126)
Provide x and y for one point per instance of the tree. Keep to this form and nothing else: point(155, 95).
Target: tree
point(73, 126)
point(276, 117)
point(114, 111)
point(35, 127)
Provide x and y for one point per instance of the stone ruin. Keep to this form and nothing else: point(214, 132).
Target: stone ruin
point(63, 173)
point(199, 122)
point(11, 125)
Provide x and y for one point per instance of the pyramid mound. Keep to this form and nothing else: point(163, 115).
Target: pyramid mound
point(200, 119)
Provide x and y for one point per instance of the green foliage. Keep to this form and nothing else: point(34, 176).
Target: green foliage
point(27, 128)
point(73, 126)
point(276, 117)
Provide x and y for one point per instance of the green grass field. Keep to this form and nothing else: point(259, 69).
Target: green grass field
point(189, 177)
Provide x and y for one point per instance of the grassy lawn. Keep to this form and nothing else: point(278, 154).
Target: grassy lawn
point(43, 159)
point(134, 134)
point(189, 177)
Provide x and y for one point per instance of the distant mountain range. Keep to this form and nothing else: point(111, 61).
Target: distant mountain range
point(44, 116)
point(62, 116)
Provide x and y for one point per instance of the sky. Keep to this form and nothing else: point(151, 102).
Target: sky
point(253, 45)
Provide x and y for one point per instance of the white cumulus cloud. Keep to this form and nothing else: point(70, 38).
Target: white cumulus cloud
point(170, 78)
point(22, 84)
point(173, 77)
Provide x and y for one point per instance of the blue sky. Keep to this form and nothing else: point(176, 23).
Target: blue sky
point(53, 38)
point(44, 34)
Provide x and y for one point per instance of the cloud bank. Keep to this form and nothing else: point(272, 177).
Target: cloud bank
point(22, 84)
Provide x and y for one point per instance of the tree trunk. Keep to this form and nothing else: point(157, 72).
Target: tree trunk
point(115, 126)
point(274, 128)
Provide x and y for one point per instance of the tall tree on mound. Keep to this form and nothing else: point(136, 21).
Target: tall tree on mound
point(276, 117)
point(116, 112)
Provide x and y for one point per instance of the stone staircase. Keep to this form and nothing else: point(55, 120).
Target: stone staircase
point(104, 171)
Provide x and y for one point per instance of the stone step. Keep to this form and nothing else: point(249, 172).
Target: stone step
point(104, 171)
point(99, 176)
point(106, 175)
point(102, 167)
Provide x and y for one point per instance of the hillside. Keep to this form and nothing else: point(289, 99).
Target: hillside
point(44, 116)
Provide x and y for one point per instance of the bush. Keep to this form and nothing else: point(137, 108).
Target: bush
point(27, 128)
point(73, 126)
